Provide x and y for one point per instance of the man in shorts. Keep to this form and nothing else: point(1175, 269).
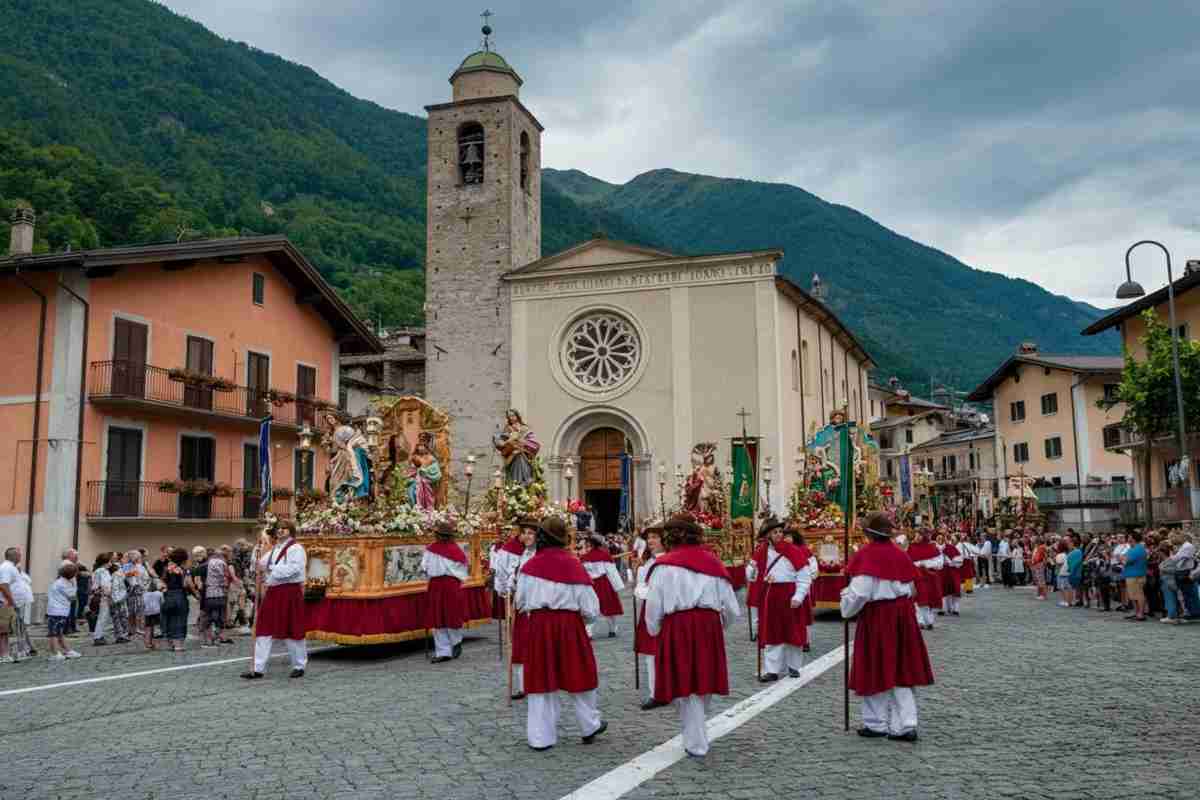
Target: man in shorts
point(8, 612)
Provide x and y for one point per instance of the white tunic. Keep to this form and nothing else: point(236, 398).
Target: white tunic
point(780, 570)
point(954, 562)
point(435, 566)
point(598, 569)
point(290, 569)
point(536, 593)
point(934, 563)
point(641, 589)
point(520, 561)
point(503, 569)
point(866, 588)
point(677, 589)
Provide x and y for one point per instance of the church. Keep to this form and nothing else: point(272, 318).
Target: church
point(620, 357)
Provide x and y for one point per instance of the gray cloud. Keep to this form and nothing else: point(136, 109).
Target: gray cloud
point(1037, 139)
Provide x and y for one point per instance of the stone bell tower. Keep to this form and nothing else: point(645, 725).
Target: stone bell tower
point(483, 219)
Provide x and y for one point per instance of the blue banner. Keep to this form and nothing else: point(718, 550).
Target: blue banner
point(905, 481)
point(626, 471)
point(264, 466)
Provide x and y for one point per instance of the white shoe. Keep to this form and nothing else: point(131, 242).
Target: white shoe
point(7, 660)
point(74, 654)
point(244, 630)
point(58, 657)
point(1064, 605)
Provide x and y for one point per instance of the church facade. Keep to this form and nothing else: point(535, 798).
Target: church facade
point(608, 349)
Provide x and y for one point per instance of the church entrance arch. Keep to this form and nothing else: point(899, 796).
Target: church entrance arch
point(601, 477)
point(595, 439)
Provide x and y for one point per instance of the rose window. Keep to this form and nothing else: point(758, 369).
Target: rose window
point(601, 351)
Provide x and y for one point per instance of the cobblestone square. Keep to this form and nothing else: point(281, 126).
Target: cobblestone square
point(1031, 701)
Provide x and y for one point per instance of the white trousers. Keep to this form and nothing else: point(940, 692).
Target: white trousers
point(103, 621)
point(444, 640)
point(925, 615)
point(693, 711)
point(541, 719)
point(779, 658)
point(647, 662)
point(950, 603)
point(605, 623)
point(754, 619)
point(297, 652)
point(894, 711)
point(518, 678)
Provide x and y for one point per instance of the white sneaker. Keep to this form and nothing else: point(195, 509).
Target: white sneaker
point(74, 654)
point(7, 660)
point(1064, 605)
point(58, 657)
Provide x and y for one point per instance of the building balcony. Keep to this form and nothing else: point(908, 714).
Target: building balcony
point(1177, 507)
point(1091, 495)
point(129, 384)
point(957, 476)
point(1118, 438)
point(146, 501)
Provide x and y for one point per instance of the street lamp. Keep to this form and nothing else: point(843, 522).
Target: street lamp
point(1129, 290)
point(469, 471)
point(662, 487)
point(767, 480)
point(569, 474)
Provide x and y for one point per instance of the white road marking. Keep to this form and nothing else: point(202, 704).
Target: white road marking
point(633, 773)
point(141, 673)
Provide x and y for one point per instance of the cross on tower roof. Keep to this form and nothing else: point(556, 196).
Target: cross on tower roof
point(487, 28)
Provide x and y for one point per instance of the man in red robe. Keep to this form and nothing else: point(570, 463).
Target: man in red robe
point(797, 538)
point(555, 591)
point(928, 560)
point(606, 580)
point(644, 644)
point(445, 564)
point(782, 632)
point(690, 602)
point(284, 563)
point(889, 653)
point(526, 540)
point(951, 580)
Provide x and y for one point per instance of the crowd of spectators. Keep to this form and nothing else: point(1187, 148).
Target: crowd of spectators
point(122, 597)
point(1146, 574)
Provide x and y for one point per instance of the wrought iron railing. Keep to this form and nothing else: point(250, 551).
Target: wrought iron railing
point(149, 500)
point(131, 380)
point(1090, 494)
point(1166, 509)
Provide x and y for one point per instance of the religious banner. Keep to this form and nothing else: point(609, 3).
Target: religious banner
point(744, 494)
point(626, 475)
point(905, 480)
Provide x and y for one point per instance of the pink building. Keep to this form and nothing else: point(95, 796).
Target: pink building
point(178, 351)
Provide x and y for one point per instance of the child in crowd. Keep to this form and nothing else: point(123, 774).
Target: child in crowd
point(58, 610)
point(152, 608)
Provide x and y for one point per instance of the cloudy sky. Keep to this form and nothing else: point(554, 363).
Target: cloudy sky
point(1038, 139)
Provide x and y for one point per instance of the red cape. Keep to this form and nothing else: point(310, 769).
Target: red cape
point(883, 560)
point(448, 550)
point(922, 551)
point(950, 551)
point(514, 546)
point(799, 557)
point(556, 564)
point(597, 554)
point(695, 557)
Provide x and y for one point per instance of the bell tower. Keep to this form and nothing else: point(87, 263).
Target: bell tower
point(483, 219)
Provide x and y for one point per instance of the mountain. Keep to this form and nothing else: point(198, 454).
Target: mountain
point(916, 308)
point(122, 122)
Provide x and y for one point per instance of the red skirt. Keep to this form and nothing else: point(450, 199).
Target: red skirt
point(559, 654)
point(888, 649)
point(807, 608)
point(282, 612)
point(520, 638)
point(445, 604)
point(968, 569)
point(497, 605)
point(929, 589)
point(951, 583)
point(754, 594)
point(778, 622)
point(643, 642)
point(691, 656)
point(610, 603)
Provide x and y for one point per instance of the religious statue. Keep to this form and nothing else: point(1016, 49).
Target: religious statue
point(349, 472)
point(822, 476)
point(702, 491)
point(424, 474)
point(518, 447)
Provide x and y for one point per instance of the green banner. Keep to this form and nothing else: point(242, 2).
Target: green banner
point(742, 494)
point(845, 492)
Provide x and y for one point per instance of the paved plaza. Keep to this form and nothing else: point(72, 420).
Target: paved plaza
point(1031, 701)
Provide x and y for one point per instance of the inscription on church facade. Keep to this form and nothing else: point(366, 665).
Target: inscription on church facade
point(644, 279)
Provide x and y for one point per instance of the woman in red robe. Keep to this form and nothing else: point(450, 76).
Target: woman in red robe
point(606, 580)
point(928, 560)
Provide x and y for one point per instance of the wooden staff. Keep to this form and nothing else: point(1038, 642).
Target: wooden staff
point(637, 673)
point(258, 593)
point(509, 613)
point(762, 616)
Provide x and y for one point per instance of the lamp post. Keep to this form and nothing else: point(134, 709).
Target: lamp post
point(1129, 290)
point(662, 488)
point(767, 480)
point(569, 474)
point(469, 471)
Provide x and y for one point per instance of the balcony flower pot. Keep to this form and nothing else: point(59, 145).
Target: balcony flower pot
point(199, 488)
point(168, 487)
point(223, 490)
point(281, 493)
point(278, 397)
point(201, 380)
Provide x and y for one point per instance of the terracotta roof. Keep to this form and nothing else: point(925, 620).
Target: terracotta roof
point(286, 257)
point(1071, 363)
point(1151, 300)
